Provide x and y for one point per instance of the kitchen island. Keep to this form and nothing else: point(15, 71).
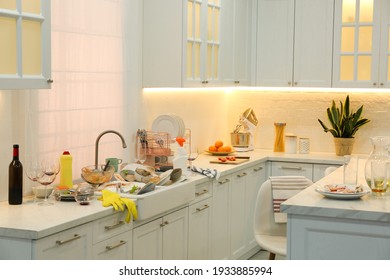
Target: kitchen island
point(324, 228)
point(214, 214)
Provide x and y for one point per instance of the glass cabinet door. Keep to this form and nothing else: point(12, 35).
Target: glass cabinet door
point(357, 43)
point(202, 51)
point(25, 47)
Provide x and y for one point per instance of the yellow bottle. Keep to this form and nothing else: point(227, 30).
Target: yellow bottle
point(66, 178)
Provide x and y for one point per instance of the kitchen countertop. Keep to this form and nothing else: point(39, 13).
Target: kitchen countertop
point(311, 203)
point(30, 221)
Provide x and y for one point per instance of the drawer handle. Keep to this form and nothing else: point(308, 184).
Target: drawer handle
point(114, 226)
point(257, 169)
point(75, 237)
point(164, 224)
point(202, 208)
point(224, 181)
point(202, 192)
point(122, 242)
point(243, 174)
point(292, 167)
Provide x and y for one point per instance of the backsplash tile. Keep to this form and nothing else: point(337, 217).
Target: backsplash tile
point(215, 114)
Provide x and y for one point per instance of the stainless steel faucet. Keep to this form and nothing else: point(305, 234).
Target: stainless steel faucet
point(97, 143)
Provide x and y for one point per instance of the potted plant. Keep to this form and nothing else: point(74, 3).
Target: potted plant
point(345, 123)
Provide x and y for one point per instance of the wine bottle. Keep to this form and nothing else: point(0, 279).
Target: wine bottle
point(15, 179)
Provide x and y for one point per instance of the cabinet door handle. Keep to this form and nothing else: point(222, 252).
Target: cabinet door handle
point(292, 167)
point(257, 169)
point(164, 223)
point(202, 208)
point(75, 237)
point(295, 83)
point(224, 181)
point(122, 242)
point(50, 81)
point(202, 192)
point(243, 174)
point(236, 82)
point(114, 226)
point(205, 82)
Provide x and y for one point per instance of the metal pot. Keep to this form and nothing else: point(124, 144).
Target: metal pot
point(240, 139)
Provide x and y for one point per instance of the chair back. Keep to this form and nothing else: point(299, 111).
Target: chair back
point(264, 220)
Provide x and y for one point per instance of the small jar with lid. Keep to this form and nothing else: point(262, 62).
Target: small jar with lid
point(291, 143)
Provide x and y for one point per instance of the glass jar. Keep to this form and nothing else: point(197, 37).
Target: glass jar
point(279, 137)
point(377, 169)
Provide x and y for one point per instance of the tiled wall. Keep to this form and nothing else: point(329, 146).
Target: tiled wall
point(213, 114)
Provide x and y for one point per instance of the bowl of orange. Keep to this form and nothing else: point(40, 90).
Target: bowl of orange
point(219, 149)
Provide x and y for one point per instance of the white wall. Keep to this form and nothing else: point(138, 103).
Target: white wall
point(213, 115)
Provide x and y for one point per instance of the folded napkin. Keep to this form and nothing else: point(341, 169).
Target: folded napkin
point(211, 173)
point(284, 187)
point(111, 198)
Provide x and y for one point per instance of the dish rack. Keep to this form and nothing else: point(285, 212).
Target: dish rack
point(157, 147)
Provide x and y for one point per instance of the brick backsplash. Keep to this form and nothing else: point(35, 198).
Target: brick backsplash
point(213, 115)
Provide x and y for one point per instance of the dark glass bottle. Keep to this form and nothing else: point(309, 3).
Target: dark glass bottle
point(15, 179)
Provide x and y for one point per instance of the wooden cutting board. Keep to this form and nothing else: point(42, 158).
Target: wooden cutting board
point(237, 161)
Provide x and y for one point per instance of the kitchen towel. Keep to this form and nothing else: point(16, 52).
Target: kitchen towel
point(211, 173)
point(284, 187)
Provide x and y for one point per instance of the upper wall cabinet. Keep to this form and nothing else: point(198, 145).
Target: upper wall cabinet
point(294, 43)
point(237, 48)
point(361, 44)
point(25, 44)
point(195, 43)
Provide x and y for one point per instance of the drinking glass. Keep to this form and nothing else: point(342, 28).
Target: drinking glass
point(141, 154)
point(33, 171)
point(193, 154)
point(50, 168)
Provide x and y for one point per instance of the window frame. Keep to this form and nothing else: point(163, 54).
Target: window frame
point(19, 80)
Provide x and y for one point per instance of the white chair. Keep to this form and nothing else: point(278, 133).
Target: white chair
point(270, 236)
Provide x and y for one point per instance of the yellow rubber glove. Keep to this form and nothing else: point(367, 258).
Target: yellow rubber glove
point(110, 198)
point(131, 209)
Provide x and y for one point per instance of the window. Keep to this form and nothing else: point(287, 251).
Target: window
point(25, 48)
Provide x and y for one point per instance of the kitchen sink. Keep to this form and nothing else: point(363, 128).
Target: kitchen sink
point(162, 199)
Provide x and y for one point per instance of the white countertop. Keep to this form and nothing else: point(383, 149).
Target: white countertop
point(311, 203)
point(31, 221)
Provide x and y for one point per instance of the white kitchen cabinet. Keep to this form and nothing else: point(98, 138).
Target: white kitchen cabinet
point(71, 244)
point(279, 168)
point(112, 238)
point(237, 56)
point(25, 54)
point(257, 174)
point(361, 44)
point(319, 170)
point(220, 238)
point(294, 43)
point(118, 247)
point(164, 238)
point(233, 208)
point(199, 230)
point(197, 43)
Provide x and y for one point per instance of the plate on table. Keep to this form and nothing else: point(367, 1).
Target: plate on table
point(221, 153)
point(343, 191)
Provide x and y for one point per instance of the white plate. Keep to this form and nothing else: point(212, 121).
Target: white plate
point(345, 196)
point(168, 124)
point(164, 177)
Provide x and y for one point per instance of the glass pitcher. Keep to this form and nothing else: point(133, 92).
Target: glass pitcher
point(377, 169)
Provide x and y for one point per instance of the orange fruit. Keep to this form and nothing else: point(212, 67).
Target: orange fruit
point(221, 149)
point(228, 149)
point(218, 144)
point(212, 149)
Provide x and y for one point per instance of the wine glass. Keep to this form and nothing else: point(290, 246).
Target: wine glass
point(49, 168)
point(33, 171)
point(141, 154)
point(192, 155)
